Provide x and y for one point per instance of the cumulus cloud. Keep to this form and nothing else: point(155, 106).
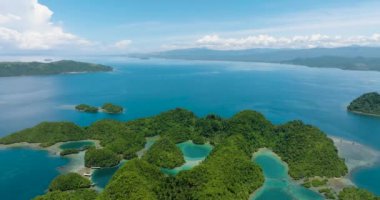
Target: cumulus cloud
point(301, 41)
point(27, 25)
point(122, 44)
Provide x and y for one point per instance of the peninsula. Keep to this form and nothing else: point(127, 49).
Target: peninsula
point(59, 67)
point(367, 104)
point(227, 173)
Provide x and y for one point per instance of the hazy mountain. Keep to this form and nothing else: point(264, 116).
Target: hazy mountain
point(353, 57)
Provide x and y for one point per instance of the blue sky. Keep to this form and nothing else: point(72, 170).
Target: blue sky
point(111, 26)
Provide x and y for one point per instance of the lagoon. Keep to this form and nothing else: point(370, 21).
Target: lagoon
point(278, 184)
point(147, 87)
point(193, 154)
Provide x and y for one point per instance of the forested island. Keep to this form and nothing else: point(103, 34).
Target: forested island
point(107, 108)
point(368, 104)
point(50, 68)
point(227, 173)
point(112, 108)
point(86, 108)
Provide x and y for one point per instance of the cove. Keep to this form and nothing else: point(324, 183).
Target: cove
point(102, 176)
point(194, 154)
point(278, 184)
point(26, 173)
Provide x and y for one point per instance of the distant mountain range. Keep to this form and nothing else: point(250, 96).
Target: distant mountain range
point(350, 58)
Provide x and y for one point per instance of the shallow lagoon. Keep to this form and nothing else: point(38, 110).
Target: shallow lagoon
point(147, 87)
point(193, 154)
point(278, 184)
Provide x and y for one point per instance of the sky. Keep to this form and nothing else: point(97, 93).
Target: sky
point(127, 26)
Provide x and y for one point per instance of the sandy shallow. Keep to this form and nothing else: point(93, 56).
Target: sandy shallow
point(355, 154)
point(76, 161)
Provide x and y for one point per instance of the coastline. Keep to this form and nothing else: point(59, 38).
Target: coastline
point(363, 113)
point(356, 156)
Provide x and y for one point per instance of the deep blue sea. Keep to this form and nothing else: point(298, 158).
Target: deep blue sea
point(147, 87)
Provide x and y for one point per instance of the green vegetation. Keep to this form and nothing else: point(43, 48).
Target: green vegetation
point(47, 133)
point(59, 67)
point(227, 173)
point(86, 108)
point(308, 151)
point(68, 152)
point(352, 193)
point(70, 181)
point(100, 158)
point(118, 137)
point(328, 193)
point(368, 103)
point(82, 194)
point(112, 109)
point(164, 153)
point(136, 180)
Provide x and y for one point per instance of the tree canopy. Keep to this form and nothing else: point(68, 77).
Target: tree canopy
point(100, 158)
point(70, 181)
point(164, 153)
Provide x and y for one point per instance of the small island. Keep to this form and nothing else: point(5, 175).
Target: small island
point(50, 68)
point(112, 109)
point(86, 108)
point(367, 104)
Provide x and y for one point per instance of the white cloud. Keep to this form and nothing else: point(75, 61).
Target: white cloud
point(268, 41)
point(27, 25)
point(122, 44)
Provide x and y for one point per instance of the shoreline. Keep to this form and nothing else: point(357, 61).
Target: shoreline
point(363, 113)
point(356, 155)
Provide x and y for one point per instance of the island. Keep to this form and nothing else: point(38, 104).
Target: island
point(86, 108)
point(112, 109)
point(164, 153)
point(367, 104)
point(228, 172)
point(49, 68)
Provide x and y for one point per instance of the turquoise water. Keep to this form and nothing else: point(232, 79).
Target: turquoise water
point(101, 177)
point(278, 185)
point(76, 145)
point(26, 173)
point(147, 87)
point(368, 178)
point(193, 154)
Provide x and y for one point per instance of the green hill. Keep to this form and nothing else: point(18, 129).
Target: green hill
point(39, 68)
